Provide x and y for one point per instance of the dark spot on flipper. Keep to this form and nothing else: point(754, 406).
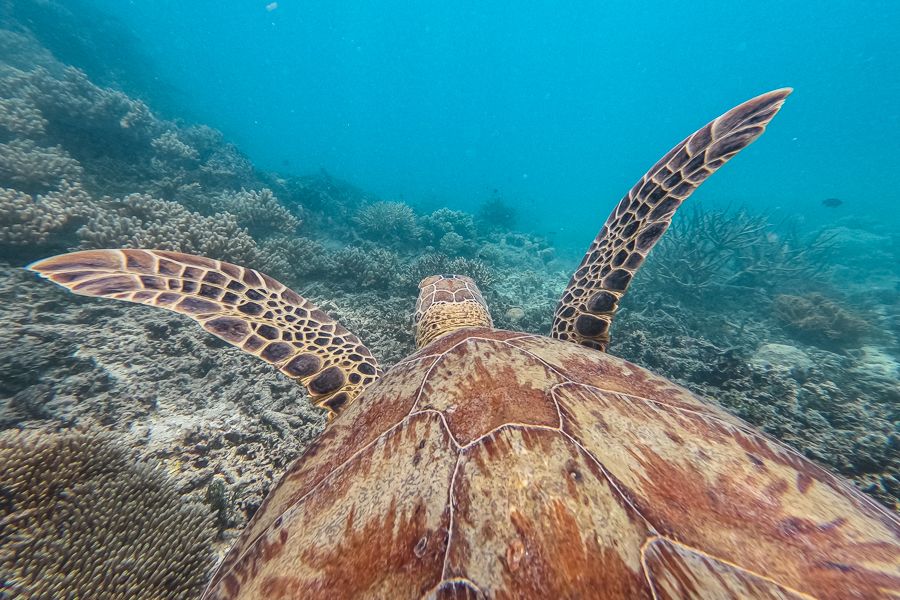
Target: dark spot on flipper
point(619, 258)
point(215, 278)
point(251, 278)
point(276, 351)
point(329, 380)
point(250, 308)
point(189, 286)
point(167, 267)
point(255, 295)
point(193, 306)
point(104, 286)
point(138, 260)
point(209, 291)
point(236, 286)
point(267, 331)
point(617, 280)
point(355, 378)
point(152, 283)
point(650, 235)
point(337, 402)
point(630, 229)
point(366, 369)
point(591, 326)
point(602, 302)
point(230, 298)
point(253, 343)
point(664, 208)
point(192, 273)
point(231, 329)
point(303, 365)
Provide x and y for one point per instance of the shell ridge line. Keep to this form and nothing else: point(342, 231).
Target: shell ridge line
point(759, 435)
point(432, 411)
point(612, 482)
point(322, 481)
point(654, 538)
point(439, 358)
point(509, 425)
point(450, 498)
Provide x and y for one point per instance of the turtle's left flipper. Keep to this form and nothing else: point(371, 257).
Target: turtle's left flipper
point(244, 307)
point(589, 303)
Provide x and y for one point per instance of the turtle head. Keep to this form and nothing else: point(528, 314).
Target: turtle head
point(447, 303)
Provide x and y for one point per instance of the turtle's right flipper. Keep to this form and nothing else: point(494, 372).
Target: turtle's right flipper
point(589, 303)
point(243, 307)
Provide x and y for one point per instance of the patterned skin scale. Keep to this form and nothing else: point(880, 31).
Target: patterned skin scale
point(245, 308)
point(445, 303)
point(587, 307)
point(495, 464)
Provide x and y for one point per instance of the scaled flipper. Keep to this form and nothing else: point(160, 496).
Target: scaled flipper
point(244, 307)
point(587, 307)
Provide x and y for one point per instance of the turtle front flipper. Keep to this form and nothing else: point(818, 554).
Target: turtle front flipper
point(245, 308)
point(587, 307)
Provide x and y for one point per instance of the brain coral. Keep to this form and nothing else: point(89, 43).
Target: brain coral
point(83, 520)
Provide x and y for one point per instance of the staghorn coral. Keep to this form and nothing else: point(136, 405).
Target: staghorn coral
point(708, 252)
point(257, 210)
point(140, 221)
point(82, 519)
point(33, 168)
point(820, 320)
point(392, 223)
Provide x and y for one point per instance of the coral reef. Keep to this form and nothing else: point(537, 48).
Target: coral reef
point(819, 319)
point(435, 262)
point(83, 166)
point(157, 382)
point(496, 213)
point(82, 519)
point(259, 211)
point(392, 223)
point(139, 221)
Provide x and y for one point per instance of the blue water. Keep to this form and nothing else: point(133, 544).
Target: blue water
point(559, 106)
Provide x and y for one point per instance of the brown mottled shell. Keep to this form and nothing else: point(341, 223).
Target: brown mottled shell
point(502, 465)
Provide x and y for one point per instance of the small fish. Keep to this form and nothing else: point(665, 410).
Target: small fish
point(271, 6)
point(832, 202)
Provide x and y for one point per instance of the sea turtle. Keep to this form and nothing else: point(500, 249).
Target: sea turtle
point(497, 464)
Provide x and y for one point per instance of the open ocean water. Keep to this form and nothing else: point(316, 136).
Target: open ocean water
point(349, 149)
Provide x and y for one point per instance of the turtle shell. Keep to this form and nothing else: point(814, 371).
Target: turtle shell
point(503, 465)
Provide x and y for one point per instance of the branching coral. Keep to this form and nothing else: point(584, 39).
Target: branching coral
point(436, 263)
point(19, 116)
point(82, 519)
point(169, 147)
point(496, 213)
point(30, 221)
point(257, 210)
point(388, 222)
point(706, 249)
point(371, 267)
point(140, 221)
point(33, 168)
point(820, 319)
point(291, 259)
point(444, 220)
